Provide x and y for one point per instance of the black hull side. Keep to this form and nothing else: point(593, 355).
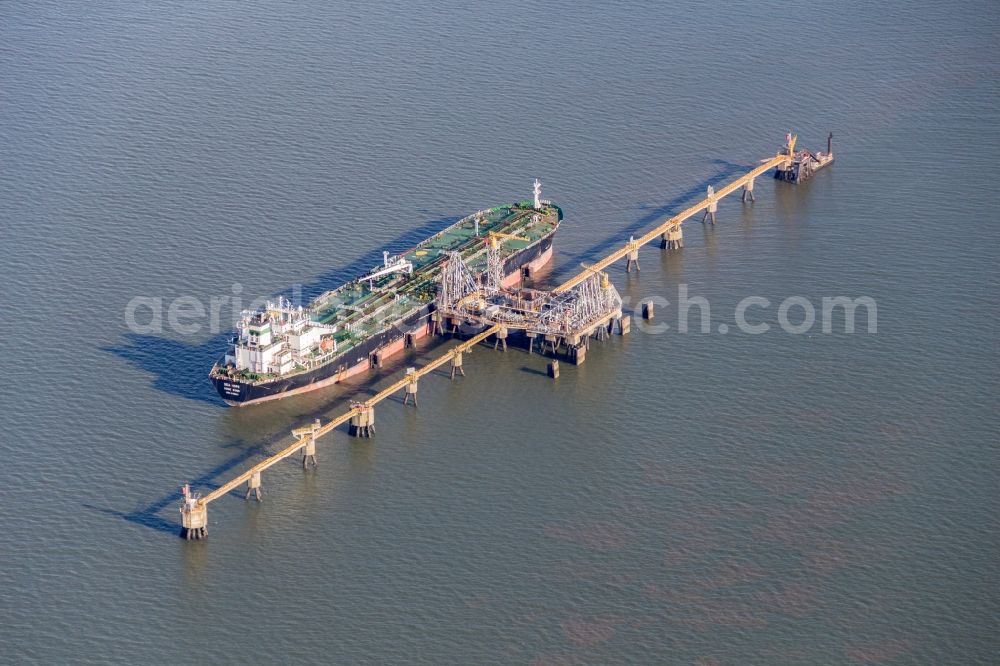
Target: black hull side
point(237, 393)
point(515, 262)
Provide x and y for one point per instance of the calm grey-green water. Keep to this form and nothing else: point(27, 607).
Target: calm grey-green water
point(699, 498)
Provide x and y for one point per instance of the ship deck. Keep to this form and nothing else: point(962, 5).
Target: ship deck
point(361, 310)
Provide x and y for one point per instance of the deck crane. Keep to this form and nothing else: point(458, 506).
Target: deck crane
point(390, 265)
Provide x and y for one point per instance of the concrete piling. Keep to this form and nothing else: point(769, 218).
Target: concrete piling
point(411, 388)
point(624, 324)
point(456, 365)
point(194, 516)
point(531, 335)
point(253, 487)
point(747, 192)
point(553, 369)
point(578, 354)
point(309, 450)
point(676, 238)
point(713, 205)
point(552, 342)
point(501, 339)
point(362, 423)
point(647, 310)
point(307, 436)
point(672, 238)
point(632, 258)
point(309, 453)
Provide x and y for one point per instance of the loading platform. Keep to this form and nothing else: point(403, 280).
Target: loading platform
point(583, 307)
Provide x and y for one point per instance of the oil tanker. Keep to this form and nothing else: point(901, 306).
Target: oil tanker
point(283, 350)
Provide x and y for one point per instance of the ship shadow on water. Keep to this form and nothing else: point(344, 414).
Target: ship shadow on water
point(653, 215)
point(180, 368)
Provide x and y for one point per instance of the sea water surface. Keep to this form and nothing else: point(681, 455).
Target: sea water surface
point(698, 498)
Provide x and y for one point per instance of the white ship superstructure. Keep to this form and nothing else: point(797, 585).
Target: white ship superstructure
point(280, 339)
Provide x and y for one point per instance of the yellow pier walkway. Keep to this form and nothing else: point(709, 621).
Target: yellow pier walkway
point(674, 221)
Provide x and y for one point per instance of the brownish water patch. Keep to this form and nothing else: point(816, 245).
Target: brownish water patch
point(713, 614)
point(590, 632)
point(672, 594)
point(796, 599)
point(816, 418)
point(553, 660)
point(734, 572)
point(877, 652)
point(781, 480)
point(596, 536)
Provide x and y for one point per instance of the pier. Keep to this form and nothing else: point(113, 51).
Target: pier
point(670, 230)
point(194, 510)
point(583, 307)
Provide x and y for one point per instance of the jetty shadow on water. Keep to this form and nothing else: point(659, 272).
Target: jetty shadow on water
point(151, 516)
point(181, 368)
point(652, 216)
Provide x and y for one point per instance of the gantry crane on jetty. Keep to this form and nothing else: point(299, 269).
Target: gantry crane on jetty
point(584, 306)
